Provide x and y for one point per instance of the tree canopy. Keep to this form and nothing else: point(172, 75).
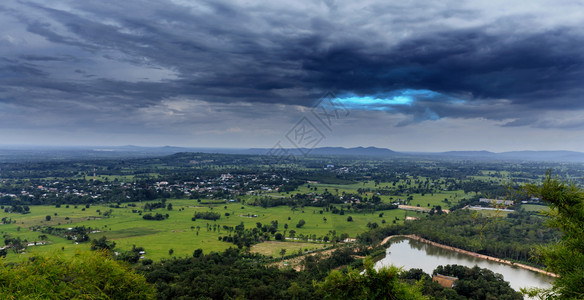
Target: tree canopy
point(86, 275)
point(371, 284)
point(566, 256)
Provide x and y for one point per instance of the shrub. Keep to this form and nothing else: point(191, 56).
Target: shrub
point(206, 216)
point(300, 223)
point(87, 275)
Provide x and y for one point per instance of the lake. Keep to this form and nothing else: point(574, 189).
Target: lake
point(407, 253)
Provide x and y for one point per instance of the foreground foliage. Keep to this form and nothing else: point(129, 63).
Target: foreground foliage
point(236, 274)
point(87, 275)
point(371, 284)
point(566, 257)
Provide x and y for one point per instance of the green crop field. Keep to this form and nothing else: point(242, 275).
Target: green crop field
point(179, 232)
point(426, 200)
point(274, 248)
point(534, 207)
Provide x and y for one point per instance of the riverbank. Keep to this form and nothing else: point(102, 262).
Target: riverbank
point(473, 254)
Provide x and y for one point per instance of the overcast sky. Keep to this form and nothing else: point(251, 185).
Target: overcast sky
point(405, 75)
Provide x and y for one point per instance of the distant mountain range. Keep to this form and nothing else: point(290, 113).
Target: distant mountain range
point(9, 153)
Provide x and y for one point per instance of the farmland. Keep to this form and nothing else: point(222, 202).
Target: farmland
point(342, 200)
point(179, 232)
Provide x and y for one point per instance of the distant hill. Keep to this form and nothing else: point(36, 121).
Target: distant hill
point(357, 151)
point(34, 153)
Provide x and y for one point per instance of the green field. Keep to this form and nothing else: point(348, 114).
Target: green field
point(427, 200)
point(179, 232)
point(534, 207)
point(274, 248)
point(183, 235)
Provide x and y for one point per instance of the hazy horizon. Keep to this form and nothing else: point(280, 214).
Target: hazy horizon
point(106, 147)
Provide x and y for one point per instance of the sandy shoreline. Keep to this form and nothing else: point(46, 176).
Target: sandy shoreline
point(481, 256)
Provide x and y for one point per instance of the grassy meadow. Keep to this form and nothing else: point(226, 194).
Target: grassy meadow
point(178, 232)
point(426, 200)
point(183, 235)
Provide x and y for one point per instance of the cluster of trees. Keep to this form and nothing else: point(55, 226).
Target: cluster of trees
point(237, 274)
point(472, 283)
point(207, 215)
point(19, 209)
point(102, 244)
point(156, 217)
point(370, 284)
point(156, 205)
point(106, 247)
point(14, 243)
point(132, 256)
point(512, 237)
point(77, 233)
point(241, 236)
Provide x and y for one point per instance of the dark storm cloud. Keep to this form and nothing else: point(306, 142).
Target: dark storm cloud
point(539, 71)
point(136, 54)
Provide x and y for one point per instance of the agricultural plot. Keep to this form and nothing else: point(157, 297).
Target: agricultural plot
point(445, 199)
point(534, 207)
point(178, 232)
point(274, 248)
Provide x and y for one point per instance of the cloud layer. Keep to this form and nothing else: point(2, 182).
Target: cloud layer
point(141, 67)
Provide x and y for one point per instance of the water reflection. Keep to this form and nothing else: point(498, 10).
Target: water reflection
point(409, 254)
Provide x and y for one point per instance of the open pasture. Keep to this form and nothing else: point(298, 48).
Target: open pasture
point(179, 232)
point(425, 200)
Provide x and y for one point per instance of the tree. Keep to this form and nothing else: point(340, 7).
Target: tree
point(198, 253)
point(350, 219)
point(283, 252)
point(565, 257)
point(371, 284)
point(86, 275)
point(102, 244)
point(171, 251)
point(478, 283)
point(300, 223)
point(48, 218)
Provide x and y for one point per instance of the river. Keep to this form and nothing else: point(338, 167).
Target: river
point(407, 253)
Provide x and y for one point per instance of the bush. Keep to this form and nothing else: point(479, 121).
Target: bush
point(157, 217)
point(206, 216)
point(369, 284)
point(350, 219)
point(84, 276)
point(300, 223)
